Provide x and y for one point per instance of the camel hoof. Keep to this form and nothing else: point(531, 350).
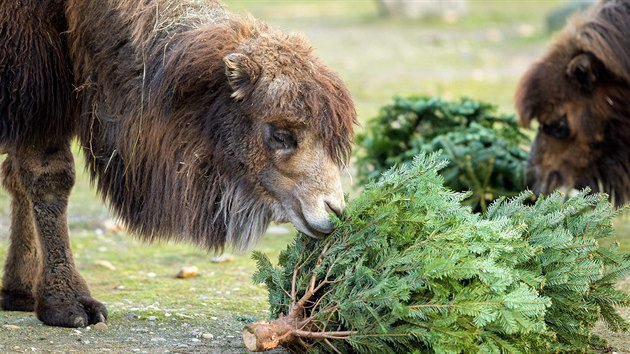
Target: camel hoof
point(17, 301)
point(74, 313)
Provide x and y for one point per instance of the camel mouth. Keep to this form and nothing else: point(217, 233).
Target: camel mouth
point(314, 224)
point(317, 230)
point(315, 234)
point(316, 221)
point(311, 212)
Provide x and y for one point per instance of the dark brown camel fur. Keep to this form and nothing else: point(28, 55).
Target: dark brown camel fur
point(579, 92)
point(196, 125)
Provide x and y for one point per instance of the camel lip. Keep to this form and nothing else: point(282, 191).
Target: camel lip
point(315, 231)
point(302, 225)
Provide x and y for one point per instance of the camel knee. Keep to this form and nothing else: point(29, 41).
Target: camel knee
point(51, 187)
point(47, 176)
point(10, 181)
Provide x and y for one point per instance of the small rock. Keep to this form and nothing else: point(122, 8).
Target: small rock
point(152, 318)
point(526, 30)
point(222, 258)
point(105, 264)
point(114, 225)
point(11, 327)
point(188, 272)
point(151, 275)
point(207, 336)
point(195, 340)
point(494, 35)
point(101, 326)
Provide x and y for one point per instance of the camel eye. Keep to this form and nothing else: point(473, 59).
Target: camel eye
point(279, 139)
point(558, 129)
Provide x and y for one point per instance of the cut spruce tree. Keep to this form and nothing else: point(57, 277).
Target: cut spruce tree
point(409, 269)
point(485, 150)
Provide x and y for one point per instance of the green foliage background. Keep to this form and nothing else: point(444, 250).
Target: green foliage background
point(484, 149)
point(412, 270)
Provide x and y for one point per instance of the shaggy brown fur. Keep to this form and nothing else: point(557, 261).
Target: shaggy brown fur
point(580, 93)
point(36, 77)
point(196, 125)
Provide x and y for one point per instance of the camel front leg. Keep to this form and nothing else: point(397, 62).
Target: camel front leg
point(22, 267)
point(62, 297)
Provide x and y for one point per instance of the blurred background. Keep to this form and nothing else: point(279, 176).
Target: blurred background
point(448, 48)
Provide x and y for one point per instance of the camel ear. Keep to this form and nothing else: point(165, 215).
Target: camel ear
point(242, 73)
point(582, 69)
point(527, 97)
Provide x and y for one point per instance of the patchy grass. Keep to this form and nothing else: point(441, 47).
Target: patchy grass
point(481, 56)
point(150, 309)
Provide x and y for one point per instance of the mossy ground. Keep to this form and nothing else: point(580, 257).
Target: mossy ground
point(481, 56)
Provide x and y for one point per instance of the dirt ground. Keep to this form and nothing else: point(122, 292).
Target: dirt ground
point(23, 333)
